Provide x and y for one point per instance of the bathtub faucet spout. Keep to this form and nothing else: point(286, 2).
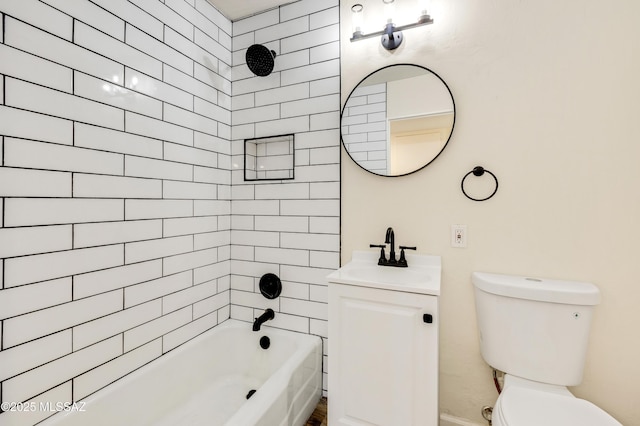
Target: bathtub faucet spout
point(268, 315)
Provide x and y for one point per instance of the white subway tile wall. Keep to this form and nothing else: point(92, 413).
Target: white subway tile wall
point(289, 227)
point(115, 177)
point(126, 227)
point(364, 127)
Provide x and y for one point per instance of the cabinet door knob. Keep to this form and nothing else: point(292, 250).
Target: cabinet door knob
point(428, 318)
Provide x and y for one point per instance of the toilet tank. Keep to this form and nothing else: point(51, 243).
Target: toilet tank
point(537, 329)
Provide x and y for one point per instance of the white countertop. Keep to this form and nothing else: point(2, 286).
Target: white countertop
point(421, 276)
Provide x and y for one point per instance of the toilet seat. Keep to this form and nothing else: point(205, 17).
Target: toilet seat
point(519, 406)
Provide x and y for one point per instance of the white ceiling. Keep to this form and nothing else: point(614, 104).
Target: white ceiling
point(237, 9)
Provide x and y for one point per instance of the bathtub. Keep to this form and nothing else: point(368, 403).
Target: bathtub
point(206, 382)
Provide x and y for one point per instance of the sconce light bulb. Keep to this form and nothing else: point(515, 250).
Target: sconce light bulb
point(425, 8)
point(389, 10)
point(357, 19)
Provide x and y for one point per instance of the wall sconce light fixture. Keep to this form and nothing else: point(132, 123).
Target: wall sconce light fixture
point(391, 35)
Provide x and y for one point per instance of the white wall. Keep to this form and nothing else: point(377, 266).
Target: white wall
point(115, 119)
point(406, 100)
point(290, 227)
point(547, 98)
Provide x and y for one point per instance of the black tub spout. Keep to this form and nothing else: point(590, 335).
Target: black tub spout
point(268, 315)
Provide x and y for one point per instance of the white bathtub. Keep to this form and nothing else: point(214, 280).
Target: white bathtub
point(206, 381)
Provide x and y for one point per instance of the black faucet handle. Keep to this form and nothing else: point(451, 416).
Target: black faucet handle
point(383, 258)
point(402, 262)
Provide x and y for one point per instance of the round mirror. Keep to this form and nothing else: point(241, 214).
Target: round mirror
point(397, 120)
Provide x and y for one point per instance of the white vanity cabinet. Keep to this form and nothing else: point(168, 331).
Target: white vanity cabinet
point(383, 351)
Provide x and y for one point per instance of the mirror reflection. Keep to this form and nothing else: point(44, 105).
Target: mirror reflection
point(397, 120)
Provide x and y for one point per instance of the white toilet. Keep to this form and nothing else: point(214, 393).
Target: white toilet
point(536, 332)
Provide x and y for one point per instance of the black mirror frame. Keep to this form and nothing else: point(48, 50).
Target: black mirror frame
point(453, 125)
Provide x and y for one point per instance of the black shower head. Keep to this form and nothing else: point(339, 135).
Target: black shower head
point(260, 60)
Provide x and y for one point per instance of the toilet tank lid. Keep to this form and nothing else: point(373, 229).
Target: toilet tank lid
point(541, 289)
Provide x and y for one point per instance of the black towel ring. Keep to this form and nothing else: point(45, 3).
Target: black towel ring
point(479, 171)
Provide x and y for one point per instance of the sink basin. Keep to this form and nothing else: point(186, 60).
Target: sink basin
point(421, 276)
point(383, 274)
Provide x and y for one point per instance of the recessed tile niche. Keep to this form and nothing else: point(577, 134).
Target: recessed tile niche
point(269, 158)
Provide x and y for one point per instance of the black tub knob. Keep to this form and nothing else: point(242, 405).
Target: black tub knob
point(270, 286)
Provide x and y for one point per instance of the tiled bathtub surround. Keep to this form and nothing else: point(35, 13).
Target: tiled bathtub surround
point(292, 227)
point(364, 129)
point(115, 186)
point(126, 227)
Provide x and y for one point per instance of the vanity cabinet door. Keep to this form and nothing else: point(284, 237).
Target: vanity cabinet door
point(383, 357)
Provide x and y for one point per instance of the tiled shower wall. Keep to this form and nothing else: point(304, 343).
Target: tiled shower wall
point(365, 127)
point(291, 227)
point(115, 186)
point(115, 182)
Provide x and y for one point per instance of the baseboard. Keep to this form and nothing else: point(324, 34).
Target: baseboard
point(448, 420)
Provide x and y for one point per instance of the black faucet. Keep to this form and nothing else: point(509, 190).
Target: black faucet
point(390, 239)
point(268, 315)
